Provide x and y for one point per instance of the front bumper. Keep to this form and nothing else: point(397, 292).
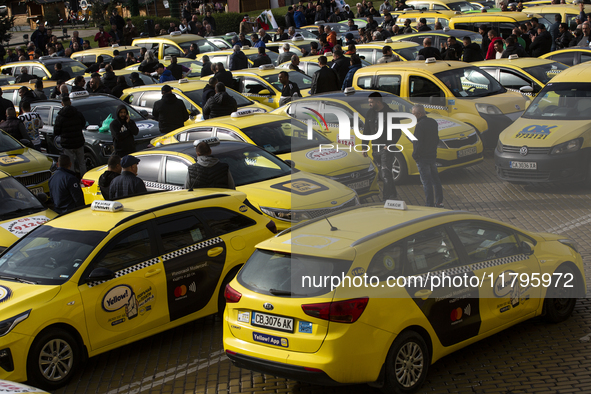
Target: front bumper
point(13, 365)
point(563, 168)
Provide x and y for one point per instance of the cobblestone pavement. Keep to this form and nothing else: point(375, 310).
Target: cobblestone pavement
point(532, 357)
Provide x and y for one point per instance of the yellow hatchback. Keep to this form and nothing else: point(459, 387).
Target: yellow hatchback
point(175, 44)
point(376, 294)
point(116, 272)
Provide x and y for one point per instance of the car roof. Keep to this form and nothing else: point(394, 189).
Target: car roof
point(188, 148)
point(247, 120)
point(93, 51)
point(91, 98)
point(86, 219)
point(176, 39)
point(258, 72)
point(183, 87)
point(437, 66)
point(518, 16)
point(45, 60)
point(578, 73)
point(518, 63)
point(343, 96)
point(247, 51)
point(394, 44)
point(458, 33)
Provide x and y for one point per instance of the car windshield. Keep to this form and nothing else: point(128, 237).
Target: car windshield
point(284, 136)
point(96, 114)
point(408, 53)
point(302, 80)
point(470, 82)
point(8, 143)
point(287, 275)
point(251, 164)
point(16, 200)
point(545, 72)
point(562, 101)
point(48, 255)
point(361, 104)
point(461, 6)
point(195, 67)
point(73, 68)
point(196, 96)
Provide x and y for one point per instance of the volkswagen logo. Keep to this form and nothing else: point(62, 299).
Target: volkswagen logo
point(517, 107)
point(523, 151)
point(355, 175)
point(268, 306)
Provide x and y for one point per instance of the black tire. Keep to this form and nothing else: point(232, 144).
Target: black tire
point(560, 301)
point(90, 161)
point(399, 169)
point(52, 373)
point(407, 364)
point(221, 299)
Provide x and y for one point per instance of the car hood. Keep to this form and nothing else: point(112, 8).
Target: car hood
point(11, 230)
point(328, 161)
point(542, 133)
point(508, 102)
point(24, 161)
point(17, 298)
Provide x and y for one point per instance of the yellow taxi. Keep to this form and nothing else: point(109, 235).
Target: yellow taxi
point(372, 52)
point(262, 84)
point(526, 75)
point(309, 64)
point(44, 67)
point(569, 12)
point(116, 272)
point(89, 56)
point(268, 181)
point(439, 37)
point(147, 79)
point(297, 45)
point(175, 44)
point(30, 167)
point(459, 144)
point(450, 88)
point(10, 92)
point(441, 5)
point(551, 141)
point(391, 290)
point(288, 139)
point(224, 56)
point(190, 92)
point(20, 210)
point(432, 17)
point(502, 22)
point(194, 65)
point(569, 56)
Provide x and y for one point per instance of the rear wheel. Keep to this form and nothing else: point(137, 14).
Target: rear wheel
point(90, 161)
point(407, 364)
point(561, 298)
point(399, 169)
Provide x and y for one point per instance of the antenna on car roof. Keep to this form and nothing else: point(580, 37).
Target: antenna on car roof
point(332, 228)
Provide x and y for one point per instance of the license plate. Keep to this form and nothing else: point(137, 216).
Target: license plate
point(270, 321)
point(467, 152)
point(524, 165)
point(36, 190)
point(359, 185)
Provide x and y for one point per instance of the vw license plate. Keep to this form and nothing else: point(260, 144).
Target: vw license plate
point(270, 321)
point(36, 190)
point(524, 165)
point(467, 152)
point(359, 185)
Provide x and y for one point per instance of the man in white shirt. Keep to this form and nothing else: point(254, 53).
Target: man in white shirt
point(33, 123)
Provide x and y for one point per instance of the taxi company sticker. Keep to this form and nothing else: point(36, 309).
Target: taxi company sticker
point(243, 208)
point(305, 327)
point(144, 126)
point(22, 226)
point(303, 187)
point(270, 339)
point(123, 296)
point(326, 154)
point(503, 283)
point(536, 132)
point(445, 124)
point(13, 159)
point(5, 293)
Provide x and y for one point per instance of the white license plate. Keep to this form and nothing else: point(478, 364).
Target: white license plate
point(36, 190)
point(524, 165)
point(467, 152)
point(359, 185)
point(270, 321)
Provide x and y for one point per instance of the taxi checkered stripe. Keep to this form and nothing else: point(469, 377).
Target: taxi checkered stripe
point(431, 106)
point(129, 270)
point(477, 266)
point(192, 248)
point(164, 186)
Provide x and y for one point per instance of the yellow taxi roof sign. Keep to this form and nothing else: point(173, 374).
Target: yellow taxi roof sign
point(247, 112)
point(395, 204)
point(430, 60)
point(106, 206)
point(210, 141)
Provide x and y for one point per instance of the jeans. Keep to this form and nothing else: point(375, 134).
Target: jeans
point(430, 180)
point(77, 158)
point(384, 161)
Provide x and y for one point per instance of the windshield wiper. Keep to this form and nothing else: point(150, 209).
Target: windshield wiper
point(18, 279)
point(281, 292)
point(20, 212)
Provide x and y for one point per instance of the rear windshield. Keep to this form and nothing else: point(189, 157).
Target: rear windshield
point(290, 275)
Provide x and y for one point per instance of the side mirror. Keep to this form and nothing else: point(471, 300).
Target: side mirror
point(45, 78)
point(264, 92)
point(42, 197)
point(194, 113)
point(526, 89)
point(100, 273)
point(526, 248)
point(290, 163)
point(27, 143)
point(144, 113)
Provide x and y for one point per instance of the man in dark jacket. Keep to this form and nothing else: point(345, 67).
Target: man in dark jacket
point(423, 25)
point(177, 70)
point(64, 187)
point(224, 76)
point(206, 68)
point(513, 48)
point(95, 67)
point(425, 154)
point(564, 37)
point(122, 130)
point(289, 17)
point(95, 85)
point(24, 76)
point(59, 73)
point(289, 88)
point(79, 83)
point(69, 126)
point(483, 30)
point(113, 171)
point(26, 95)
point(340, 63)
point(127, 184)
point(208, 171)
point(118, 62)
point(208, 91)
point(326, 79)
point(109, 77)
point(472, 51)
point(429, 51)
point(136, 80)
point(14, 126)
point(4, 105)
point(120, 87)
point(221, 104)
point(169, 111)
point(262, 58)
point(542, 44)
point(192, 52)
point(238, 59)
point(452, 50)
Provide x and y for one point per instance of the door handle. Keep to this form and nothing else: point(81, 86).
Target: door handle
point(215, 251)
point(152, 272)
point(424, 294)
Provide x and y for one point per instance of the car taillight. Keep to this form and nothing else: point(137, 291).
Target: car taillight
point(272, 227)
point(231, 295)
point(347, 311)
point(86, 182)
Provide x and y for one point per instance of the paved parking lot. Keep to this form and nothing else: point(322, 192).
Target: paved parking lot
point(530, 357)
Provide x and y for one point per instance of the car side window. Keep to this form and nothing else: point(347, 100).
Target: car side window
point(506, 28)
point(439, 7)
point(511, 80)
point(423, 90)
point(486, 241)
point(39, 72)
point(228, 135)
point(170, 50)
point(565, 58)
point(223, 221)
point(366, 53)
point(364, 82)
point(390, 83)
point(430, 250)
point(180, 232)
point(149, 169)
point(175, 171)
point(43, 113)
point(585, 57)
point(387, 262)
point(465, 26)
point(129, 248)
point(205, 46)
point(252, 86)
point(149, 98)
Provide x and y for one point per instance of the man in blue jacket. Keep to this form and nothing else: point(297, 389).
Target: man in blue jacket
point(164, 73)
point(64, 187)
point(299, 17)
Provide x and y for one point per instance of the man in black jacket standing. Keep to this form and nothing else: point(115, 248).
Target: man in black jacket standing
point(64, 187)
point(224, 76)
point(127, 184)
point(542, 44)
point(122, 130)
point(238, 59)
point(425, 154)
point(221, 104)
point(262, 58)
point(340, 63)
point(428, 51)
point(472, 51)
point(289, 17)
point(326, 79)
point(206, 68)
point(59, 73)
point(169, 111)
point(69, 126)
point(208, 171)
point(113, 171)
point(208, 91)
point(4, 105)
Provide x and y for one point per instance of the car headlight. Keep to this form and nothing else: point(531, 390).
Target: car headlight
point(371, 166)
point(488, 109)
point(441, 145)
point(286, 214)
point(499, 146)
point(7, 325)
point(567, 147)
point(570, 243)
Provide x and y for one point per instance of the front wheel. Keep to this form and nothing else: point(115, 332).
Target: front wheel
point(407, 364)
point(561, 298)
point(90, 161)
point(399, 169)
point(54, 357)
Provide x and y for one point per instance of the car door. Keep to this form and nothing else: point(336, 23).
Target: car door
point(422, 90)
point(252, 88)
point(149, 171)
point(46, 132)
point(228, 135)
point(194, 134)
point(172, 50)
point(515, 80)
point(146, 100)
point(40, 72)
point(135, 300)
